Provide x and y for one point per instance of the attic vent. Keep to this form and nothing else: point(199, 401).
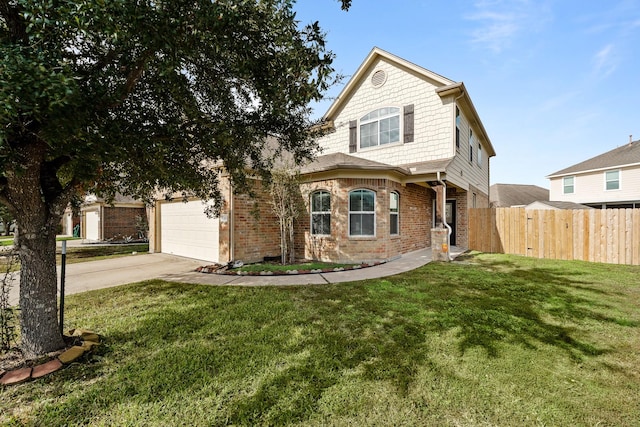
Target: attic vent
point(378, 78)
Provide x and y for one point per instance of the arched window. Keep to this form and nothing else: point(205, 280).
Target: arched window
point(321, 213)
point(394, 213)
point(362, 206)
point(380, 127)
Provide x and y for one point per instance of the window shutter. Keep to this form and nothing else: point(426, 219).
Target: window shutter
point(353, 136)
point(408, 123)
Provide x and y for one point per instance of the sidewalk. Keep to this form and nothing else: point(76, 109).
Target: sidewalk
point(91, 275)
point(406, 262)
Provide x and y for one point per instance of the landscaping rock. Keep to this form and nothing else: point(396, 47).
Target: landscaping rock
point(88, 345)
point(72, 354)
point(16, 377)
point(46, 368)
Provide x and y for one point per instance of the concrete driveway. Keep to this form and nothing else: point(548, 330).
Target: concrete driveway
point(86, 276)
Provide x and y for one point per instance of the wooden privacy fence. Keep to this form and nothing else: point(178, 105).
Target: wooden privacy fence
point(597, 235)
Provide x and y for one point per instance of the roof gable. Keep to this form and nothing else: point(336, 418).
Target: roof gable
point(444, 88)
point(374, 56)
point(628, 154)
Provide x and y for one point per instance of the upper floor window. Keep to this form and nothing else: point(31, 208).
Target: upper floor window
point(568, 185)
point(479, 154)
point(380, 127)
point(394, 213)
point(612, 180)
point(470, 145)
point(321, 213)
point(457, 128)
point(362, 220)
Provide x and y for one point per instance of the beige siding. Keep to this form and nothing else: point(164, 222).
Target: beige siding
point(433, 119)
point(590, 187)
point(461, 171)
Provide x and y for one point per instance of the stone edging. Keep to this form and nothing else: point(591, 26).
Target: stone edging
point(20, 375)
point(221, 270)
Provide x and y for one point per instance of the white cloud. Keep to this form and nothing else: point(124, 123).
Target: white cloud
point(500, 22)
point(605, 61)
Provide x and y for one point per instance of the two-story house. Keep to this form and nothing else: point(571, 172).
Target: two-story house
point(609, 180)
point(406, 152)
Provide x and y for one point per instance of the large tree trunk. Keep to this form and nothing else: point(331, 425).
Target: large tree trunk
point(36, 201)
point(38, 290)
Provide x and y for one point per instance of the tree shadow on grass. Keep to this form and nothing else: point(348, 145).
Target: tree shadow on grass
point(267, 355)
point(525, 306)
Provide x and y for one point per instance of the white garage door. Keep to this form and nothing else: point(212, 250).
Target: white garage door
point(92, 225)
point(185, 230)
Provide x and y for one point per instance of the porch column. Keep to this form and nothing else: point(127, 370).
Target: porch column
point(439, 212)
point(440, 234)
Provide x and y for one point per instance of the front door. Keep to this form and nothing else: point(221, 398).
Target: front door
point(450, 217)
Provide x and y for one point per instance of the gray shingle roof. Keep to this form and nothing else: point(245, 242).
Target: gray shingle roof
point(505, 195)
point(624, 155)
point(565, 205)
point(336, 161)
point(344, 161)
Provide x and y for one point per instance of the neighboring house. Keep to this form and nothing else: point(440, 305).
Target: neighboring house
point(549, 205)
point(516, 195)
point(70, 223)
point(119, 219)
point(401, 138)
point(610, 180)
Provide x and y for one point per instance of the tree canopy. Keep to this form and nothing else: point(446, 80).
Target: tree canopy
point(133, 96)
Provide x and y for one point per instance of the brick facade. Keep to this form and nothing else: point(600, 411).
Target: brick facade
point(121, 221)
point(255, 237)
point(256, 230)
point(414, 217)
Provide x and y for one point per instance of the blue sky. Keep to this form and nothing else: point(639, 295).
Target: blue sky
point(555, 81)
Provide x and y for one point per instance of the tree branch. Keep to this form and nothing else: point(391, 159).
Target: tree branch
point(15, 23)
point(136, 73)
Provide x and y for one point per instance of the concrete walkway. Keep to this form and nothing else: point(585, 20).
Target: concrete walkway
point(86, 276)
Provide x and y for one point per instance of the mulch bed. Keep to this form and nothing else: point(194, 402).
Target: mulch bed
point(227, 270)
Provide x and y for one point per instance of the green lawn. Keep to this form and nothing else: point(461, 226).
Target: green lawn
point(88, 253)
point(96, 252)
point(8, 240)
point(488, 340)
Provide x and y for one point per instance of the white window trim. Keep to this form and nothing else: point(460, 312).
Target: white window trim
point(319, 213)
point(400, 140)
point(574, 184)
point(619, 180)
point(397, 214)
point(375, 219)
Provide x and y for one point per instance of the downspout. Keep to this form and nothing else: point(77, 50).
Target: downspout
point(444, 185)
point(231, 227)
point(444, 215)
